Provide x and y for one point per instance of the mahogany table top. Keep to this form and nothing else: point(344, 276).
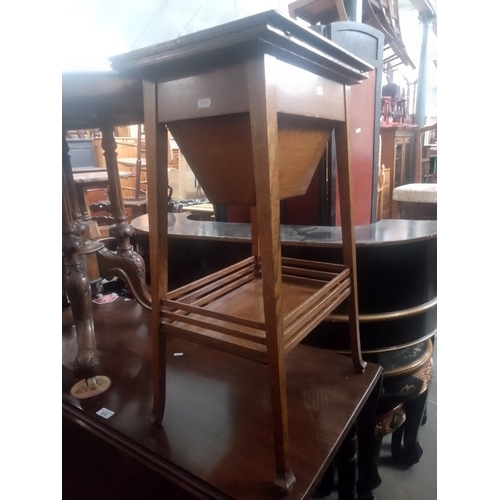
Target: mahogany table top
point(217, 432)
point(89, 98)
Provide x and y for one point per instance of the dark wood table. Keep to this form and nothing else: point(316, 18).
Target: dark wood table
point(216, 440)
point(97, 100)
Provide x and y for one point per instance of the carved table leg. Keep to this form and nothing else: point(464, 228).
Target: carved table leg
point(124, 262)
point(368, 476)
point(326, 485)
point(369, 442)
point(347, 464)
point(409, 454)
point(77, 288)
point(80, 217)
point(75, 250)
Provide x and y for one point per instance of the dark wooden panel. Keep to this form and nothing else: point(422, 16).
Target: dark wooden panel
point(216, 438)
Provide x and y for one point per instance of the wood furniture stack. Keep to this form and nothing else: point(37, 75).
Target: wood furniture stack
point(395, 155)
point(251, 105)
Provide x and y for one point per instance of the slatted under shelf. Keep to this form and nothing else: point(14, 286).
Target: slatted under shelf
point(225, 309)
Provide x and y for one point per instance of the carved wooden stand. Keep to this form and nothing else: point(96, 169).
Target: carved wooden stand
point(251, 104)
point(125, 262)
point(97, 100)
point(76, 246)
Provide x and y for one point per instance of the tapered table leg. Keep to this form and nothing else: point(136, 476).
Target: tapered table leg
point(264, 129)
point(347, 226)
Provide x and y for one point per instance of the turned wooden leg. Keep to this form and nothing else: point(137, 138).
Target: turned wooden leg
point(125, 262)
point(369, 445)
point(347, 465)
point(325, 487)
point(76, 246)
point(77, 287)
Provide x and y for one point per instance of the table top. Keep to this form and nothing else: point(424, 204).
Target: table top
point(267, 32)
point(91, 97)
point(217, 431)
point(384, 232)
point(89, 177)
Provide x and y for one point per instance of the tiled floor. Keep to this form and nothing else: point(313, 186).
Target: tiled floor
point(420, 481)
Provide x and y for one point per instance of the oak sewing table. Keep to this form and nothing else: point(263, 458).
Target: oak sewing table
point(251, 104)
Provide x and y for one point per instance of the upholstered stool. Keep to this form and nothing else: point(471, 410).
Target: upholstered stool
point(416, 201)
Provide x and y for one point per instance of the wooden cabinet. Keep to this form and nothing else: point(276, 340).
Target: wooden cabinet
point(395, 156)
point(85, 153)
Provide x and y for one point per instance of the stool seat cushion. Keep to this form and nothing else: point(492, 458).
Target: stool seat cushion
point(416, 193)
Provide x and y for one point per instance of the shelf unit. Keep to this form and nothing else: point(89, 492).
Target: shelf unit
point(311, 290)
point(251, 105)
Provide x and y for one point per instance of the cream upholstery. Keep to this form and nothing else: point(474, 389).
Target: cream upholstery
point(416, 193)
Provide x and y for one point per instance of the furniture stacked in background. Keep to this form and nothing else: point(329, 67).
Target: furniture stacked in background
point(396, 149)
point(252, 139)
point(418, 199)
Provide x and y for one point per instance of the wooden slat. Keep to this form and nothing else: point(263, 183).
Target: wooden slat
point(211, 277)
point(308, 273)
point(295, 336)
point(300, 280)
point(226, 330)
point(219, 288)
point(221, 342)
point(329, 266)
point(328, 289)
point(217, 315)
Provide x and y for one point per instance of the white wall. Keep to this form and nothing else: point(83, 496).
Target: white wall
point(95, 30)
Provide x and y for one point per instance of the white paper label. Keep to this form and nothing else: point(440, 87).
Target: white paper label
point(358, 130)
point(105, 413)
point(204, 103)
